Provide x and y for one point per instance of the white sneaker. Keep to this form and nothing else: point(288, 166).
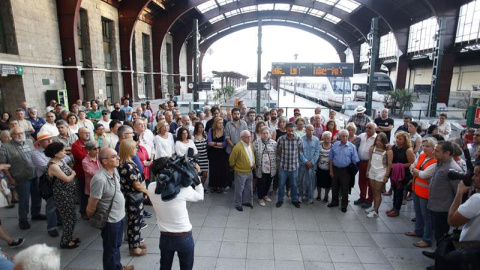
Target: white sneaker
point(372, 214)
point(369, 210)
point(226, 190)
point(266, 198)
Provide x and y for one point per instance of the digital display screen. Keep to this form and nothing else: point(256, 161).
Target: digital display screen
point(313, 69)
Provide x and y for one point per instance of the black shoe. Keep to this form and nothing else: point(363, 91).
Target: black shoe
point(239, 208)
point(16, 243)
point(147, 214)
point(332, 205)
point(429, 254)
point(10, 206)
point(366, 205)
point(358, 202)
point(53, 233)
point(39, 217)
point(24, 225)
point(414, 219)
point(69, 246)
point(296, 204)
point(248, 205)
point(279, 203)
point(143, 226)
point(344, 209)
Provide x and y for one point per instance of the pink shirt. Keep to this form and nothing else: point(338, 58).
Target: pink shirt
point(90, 167)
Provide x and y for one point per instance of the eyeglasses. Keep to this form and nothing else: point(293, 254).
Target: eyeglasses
point(104, 113)
point(128, 133)
point(476, 135)
point(95, 148)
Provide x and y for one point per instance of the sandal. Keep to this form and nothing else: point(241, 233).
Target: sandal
point(137, 252)
point(69, 246)
point(325, 200)
point(413, 234)
point(76, 240)
point(422, 244)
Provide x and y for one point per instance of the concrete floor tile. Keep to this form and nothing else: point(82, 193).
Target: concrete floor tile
point(287, 252)
point(235, 235)
point(386, 240)
point(238, 222)
point(254, 264)
point(371, 255)
point(233, 250)
point(371, 266)
point(309, 237)
point(282, 223)
point(288, 265)
point(204, 263)
point(212, 234)
point(348, 266)
point(361, 240)
point(207, 248)
point(342, 254)
point(285, 237)
point(260, 223)
point(260, 236)
point(230, 264)
point(147, 262)
point(336, 239)
point(261, 251)
point(215, 221)
point(319, 266)
point(315, 253)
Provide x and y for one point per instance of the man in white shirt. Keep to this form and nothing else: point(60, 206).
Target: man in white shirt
point(367, 139)
point(50, 126)
point(174, 223)
point(105, 121)
point(146, 136)
point(111, 139)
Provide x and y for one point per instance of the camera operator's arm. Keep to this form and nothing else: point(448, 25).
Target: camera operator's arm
point(455, 218)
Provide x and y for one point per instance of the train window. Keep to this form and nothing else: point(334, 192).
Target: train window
point(340, 85)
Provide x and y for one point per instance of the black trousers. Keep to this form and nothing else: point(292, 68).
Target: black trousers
point(439, 224)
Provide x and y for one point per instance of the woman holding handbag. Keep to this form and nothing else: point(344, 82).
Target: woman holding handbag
point(134, 191)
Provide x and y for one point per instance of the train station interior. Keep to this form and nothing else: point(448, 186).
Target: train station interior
point(103, 49)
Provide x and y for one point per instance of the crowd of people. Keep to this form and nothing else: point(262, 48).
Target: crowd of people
point(99, 156)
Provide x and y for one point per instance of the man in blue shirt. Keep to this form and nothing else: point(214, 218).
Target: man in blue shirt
point(308, 164)
point(128, 110)
point(343, 153)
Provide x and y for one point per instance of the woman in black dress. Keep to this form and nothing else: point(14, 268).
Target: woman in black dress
point(64, 190)
point(218, 156)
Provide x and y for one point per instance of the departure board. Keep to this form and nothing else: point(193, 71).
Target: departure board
point(312, 69)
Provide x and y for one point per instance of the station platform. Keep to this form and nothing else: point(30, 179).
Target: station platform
point(312, 237)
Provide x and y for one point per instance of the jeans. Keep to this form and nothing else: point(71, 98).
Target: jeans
point(423, 219)
point(112, 240)
point(440, 224)
point(51, 213)
point(292, 176)
point(83, 197)
point(184, 247)
point(26, 189)
point(306, 184)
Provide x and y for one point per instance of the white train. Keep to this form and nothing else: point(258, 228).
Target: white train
point(359, 86)
point(327, 91)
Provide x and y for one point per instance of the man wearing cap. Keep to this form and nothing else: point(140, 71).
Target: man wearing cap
point(147, 114)
point(105, 121)
point(360, 119)
point(296, 114)
point(41, 161)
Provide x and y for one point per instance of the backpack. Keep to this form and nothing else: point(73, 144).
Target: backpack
point(45, 186)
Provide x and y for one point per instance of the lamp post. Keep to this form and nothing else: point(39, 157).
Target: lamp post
point(295, 81)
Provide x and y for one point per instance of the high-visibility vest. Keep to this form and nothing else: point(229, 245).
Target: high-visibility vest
point(420, 186)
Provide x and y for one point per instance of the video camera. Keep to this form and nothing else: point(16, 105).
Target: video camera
point(466, 177)
point(171, 174)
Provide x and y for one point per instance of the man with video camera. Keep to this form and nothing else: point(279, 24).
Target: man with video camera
point(169, 191)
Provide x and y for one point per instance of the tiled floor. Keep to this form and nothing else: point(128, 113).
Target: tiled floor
point(312, 237)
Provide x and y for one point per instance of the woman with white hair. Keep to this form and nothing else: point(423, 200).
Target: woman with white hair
point(266, 160)
point(324, 180)
point(38, 257)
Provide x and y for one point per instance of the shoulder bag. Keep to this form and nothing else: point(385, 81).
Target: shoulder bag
point(99, 220)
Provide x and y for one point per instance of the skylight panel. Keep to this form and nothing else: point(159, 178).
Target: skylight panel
point(207, 6)
point(265, 7)
point(299, 9)
point(216, 19)
point(347, 5)
point(224, 2)
point(331, 18)
point(248, 9)
point(328, 2)
point(282, 7)
point(232, 13)
point(316, 13)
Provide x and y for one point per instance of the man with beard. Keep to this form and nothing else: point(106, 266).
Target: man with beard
point(273, 123)
point(18, 153)
point(250, 120)
point(50, 126)
point(117, 114)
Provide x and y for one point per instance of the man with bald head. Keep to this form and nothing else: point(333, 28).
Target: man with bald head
point(367, 139)
point(79, 153)
point(21, 174)
point(242, 160)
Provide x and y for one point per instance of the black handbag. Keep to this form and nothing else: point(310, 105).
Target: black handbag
point(99, 220)
point(135, 197)
point(45, 186)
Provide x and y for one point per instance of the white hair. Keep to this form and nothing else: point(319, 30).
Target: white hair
point(326, 133)
point(38, 257)
point(244, 133)
point(343, 131)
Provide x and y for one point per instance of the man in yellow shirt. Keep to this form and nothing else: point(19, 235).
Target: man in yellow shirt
point(242, 159)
